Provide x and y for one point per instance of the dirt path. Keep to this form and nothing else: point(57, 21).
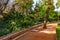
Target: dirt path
point(37, 34)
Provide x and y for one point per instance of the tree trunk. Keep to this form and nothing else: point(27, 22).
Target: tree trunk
point(49, 5)
point(46, 18)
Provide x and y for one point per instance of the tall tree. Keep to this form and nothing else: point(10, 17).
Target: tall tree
point(58, 3)
point(49, 4)
point(25, 6)
point(3, 5)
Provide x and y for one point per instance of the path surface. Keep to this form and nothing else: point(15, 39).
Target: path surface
point(38, 34)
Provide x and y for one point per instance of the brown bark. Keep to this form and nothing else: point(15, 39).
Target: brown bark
point(47, 12)
point(46, 18)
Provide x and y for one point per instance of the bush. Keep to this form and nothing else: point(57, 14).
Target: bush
point(16, 21)
point(58, 32)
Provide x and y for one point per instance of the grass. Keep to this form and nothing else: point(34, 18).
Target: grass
point(58, 32)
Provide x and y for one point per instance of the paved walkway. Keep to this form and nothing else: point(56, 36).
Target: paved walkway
point(38, 34)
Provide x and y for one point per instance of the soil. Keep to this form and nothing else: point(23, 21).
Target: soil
point(39, 34)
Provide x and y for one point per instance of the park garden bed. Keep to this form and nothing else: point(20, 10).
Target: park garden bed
point(58, 31)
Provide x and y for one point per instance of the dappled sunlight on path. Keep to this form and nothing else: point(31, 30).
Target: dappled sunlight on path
point(39, 34)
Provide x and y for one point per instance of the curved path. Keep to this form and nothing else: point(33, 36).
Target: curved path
point(39, 34)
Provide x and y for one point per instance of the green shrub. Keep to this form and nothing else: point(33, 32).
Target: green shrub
point(58, 32)
point(16, 21)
